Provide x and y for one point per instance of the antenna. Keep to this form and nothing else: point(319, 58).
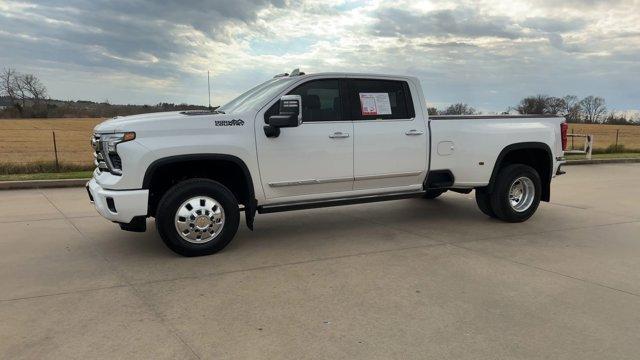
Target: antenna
point(209, 87)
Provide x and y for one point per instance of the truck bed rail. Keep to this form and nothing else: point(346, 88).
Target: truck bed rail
point(468, 117)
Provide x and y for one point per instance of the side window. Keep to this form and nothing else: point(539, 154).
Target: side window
point(380, 99)
point(320, 101)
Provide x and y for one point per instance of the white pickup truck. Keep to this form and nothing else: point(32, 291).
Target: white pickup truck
point(302, 141)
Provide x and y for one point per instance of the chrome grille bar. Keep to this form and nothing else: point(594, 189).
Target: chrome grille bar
point(98, 156)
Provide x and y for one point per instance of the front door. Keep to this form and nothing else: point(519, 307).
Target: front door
point(315, 157)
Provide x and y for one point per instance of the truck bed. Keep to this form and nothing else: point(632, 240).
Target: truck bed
point(469, 148)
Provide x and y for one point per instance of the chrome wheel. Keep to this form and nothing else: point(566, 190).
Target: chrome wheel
point(199, 219)
point(521, 194)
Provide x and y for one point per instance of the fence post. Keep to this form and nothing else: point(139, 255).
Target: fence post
point(572, 147)
point(55, 151)
point(617, 132)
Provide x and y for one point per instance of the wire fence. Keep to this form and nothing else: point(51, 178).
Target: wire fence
point(25, 146)
point(19, 145)
point(607, 135)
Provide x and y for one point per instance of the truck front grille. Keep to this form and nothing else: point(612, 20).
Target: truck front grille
point(98, 156)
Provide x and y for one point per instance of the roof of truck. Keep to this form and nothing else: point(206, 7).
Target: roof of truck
point(349, 74)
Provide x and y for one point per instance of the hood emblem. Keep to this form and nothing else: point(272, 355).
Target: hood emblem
point(234, 122)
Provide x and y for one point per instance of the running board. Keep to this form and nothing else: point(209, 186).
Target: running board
point(336, 202)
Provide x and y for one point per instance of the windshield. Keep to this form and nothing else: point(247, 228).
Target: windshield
point(256, 96)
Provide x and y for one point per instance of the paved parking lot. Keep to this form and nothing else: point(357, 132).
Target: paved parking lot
point(401, 279)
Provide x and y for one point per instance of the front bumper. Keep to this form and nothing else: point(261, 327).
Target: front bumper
point(118, 205)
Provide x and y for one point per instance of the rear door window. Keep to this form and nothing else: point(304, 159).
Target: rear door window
point(380, 99)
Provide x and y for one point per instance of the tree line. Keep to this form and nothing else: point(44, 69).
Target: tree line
point(24, 95)
point(589, 110)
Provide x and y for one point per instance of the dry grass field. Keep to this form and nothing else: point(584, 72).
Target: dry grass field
point(605, 135)
point(29, 140)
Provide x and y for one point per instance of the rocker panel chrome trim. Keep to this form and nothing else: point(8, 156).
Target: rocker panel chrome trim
point(385, 176)
point(308, 182)
point(334, 180)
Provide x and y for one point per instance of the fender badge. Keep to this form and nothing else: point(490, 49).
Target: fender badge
point(234, 122)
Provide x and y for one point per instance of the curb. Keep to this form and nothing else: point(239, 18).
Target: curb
point(41, 184)
point(601, 161)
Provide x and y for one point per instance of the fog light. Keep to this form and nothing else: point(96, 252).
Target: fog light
point(111, 205)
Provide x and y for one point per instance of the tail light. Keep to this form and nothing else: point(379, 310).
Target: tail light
point(563, 133)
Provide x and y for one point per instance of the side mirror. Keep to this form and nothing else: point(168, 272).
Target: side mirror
point(291, 104)
point(290, 112)
point(290, 115)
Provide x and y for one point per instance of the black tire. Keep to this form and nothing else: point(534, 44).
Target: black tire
point(433, 193)
point(500, 196)
point(484, 202)
point(174, 198)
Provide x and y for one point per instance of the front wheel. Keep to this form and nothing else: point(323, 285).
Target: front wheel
point(516, 194)
point(197, 217)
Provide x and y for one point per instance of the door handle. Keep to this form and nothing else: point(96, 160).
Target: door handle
point(414, 132)
point(339, 135)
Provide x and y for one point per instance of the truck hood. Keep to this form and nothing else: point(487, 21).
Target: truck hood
point(129, 123)
point(159, 120)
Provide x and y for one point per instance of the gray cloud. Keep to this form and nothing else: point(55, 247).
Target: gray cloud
point(461, 21)
point(130, 51)
point(554, 25)
point(449, 45)
point(577, 4)
point(465, 22)
point(122, 34)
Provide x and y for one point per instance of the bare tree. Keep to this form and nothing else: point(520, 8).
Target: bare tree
point(8, 80)
point(568, 106)
point(459, 109)
point(572, 108)
point(554, 105)
point(33, 87)
point(533, 105)
point(593, 108)
point(20, 90)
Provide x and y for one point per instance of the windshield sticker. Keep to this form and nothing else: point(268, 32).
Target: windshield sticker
point(233, 122)
point(375, 104)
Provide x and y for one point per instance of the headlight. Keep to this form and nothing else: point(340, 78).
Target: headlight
point(110, 141)
point(108, 147)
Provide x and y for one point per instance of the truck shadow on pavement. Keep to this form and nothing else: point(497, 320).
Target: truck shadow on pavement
point(402, 223)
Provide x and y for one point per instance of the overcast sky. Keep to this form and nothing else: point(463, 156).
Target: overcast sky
point(487, 53)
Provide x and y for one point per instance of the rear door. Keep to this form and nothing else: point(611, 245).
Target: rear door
point(390, 145)
point(314, 158)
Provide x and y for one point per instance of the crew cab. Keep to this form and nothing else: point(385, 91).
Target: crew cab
point(301, 141)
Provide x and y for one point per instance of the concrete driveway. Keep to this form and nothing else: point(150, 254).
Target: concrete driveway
point(402, 279)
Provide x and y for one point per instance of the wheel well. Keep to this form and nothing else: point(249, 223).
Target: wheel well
point(165, 173)
point(536, 155)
